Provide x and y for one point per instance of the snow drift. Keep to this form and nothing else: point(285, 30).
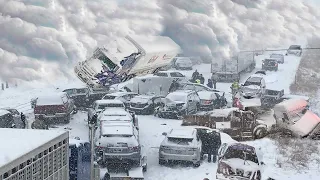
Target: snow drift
point(43, 39)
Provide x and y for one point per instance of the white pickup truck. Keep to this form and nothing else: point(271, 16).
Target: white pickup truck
point(125, 58)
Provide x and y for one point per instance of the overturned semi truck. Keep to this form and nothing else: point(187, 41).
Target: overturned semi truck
point(125, 58)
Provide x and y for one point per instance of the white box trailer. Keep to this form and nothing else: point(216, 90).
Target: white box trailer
point(229, 70)
point(127, 57)
point(34, 154)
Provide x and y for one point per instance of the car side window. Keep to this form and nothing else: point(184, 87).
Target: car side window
point(81, 91)
point(161, 74)
point(176, 74)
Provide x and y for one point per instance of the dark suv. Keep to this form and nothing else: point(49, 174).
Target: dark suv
point(295, 50)
point(270, 64)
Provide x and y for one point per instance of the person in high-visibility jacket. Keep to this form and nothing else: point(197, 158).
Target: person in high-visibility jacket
point(198, 81)
point(235, 87)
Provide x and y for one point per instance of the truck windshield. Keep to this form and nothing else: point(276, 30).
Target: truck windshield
point(112, 66)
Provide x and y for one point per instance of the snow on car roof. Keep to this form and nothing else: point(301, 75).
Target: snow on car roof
point(3, 112)
point(182, 133)
point(109, 101)
point(255, 78)
point(120, 93)
point(291, 105)
point(141, 98)
point(222, 112)
point(19, 142)
point(117, 128)
point(76, 142)
point(115, 111)
point(52, 99)
point(206, 94)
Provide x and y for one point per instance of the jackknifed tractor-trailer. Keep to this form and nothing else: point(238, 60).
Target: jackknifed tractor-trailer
point(125, 58)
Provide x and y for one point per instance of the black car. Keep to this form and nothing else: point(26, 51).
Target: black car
point(270, 64)
point(271, 98)
point(78, 95)
point(145, 104)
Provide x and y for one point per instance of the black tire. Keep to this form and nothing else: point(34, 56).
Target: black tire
point(259, 133)
point(258, 176)
point(66, 119)
point(197, 164)
point(145, 168)
point(162, 162)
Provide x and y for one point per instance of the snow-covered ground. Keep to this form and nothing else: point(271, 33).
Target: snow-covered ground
point(151, 128)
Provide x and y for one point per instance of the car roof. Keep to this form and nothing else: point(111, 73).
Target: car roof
point(255, 76)
point(182, 133)
point(108, 101)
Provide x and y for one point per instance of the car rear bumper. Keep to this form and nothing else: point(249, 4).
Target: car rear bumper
point(223, 177)
point(206, 107)
point(269, 67)
point(135, 156)
point(179, 157)
point(52, 116)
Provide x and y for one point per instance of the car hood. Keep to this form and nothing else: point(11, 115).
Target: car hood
point(250, 89)
point(237, 163)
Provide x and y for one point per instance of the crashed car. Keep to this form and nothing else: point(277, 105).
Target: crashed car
point(253, 87)
point(295, 50)
point(271, 98)
point(78, 95)
point(178, 103)
point(99, 106)
point(125, 97)
point(211, 100)
point(145, 104)
point(238, 161)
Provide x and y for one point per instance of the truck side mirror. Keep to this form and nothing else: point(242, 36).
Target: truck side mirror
point(164, 133)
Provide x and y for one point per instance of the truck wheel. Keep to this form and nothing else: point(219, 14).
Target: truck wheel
point(162, 162)
point(259, 133)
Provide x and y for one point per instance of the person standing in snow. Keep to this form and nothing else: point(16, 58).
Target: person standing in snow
point(211, 142)
point(201, 79)
point(214, 79)
point(195, 75)
point(210, 84)
point(23, 119)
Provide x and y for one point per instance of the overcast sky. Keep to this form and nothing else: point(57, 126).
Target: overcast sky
point(43, 39)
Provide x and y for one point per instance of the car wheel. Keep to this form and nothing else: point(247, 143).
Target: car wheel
point(197, 164)
point(259, 133)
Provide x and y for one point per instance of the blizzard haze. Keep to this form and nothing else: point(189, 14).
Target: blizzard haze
point(43, 39)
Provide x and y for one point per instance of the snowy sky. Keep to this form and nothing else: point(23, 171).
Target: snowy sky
point(43, 39)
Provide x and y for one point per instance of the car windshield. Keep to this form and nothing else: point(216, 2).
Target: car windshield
point(295, 47)
point(103, 106)
point(253, 81)
point(249, 155)
point(177, 97)
point(181, 141)
point(276, 55)
point(272, 92)
point(109, 97)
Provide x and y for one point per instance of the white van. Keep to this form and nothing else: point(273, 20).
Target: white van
point(294, 115)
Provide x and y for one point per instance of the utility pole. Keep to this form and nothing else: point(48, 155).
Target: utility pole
point(92, 127)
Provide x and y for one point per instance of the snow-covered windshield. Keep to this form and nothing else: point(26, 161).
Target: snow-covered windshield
point(241, 154)
point(177, 97)
point(253, 81)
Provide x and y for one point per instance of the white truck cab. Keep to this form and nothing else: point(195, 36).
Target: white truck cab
point(125, 58)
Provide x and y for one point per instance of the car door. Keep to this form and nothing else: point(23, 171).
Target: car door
point(222, 150)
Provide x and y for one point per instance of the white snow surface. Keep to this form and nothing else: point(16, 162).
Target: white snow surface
point(3, 112)
point(51, 99)
point(17, 142)
point(151, 128)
